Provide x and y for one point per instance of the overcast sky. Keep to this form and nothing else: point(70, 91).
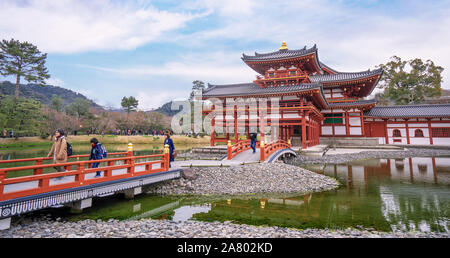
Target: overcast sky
point(153, 50)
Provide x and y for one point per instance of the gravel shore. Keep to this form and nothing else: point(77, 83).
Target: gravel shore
point(253, 178)
point(148, 228)
point(343, 158)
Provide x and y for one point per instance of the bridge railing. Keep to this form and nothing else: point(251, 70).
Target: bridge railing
point(240, 146)
point(267, 149)
point(76, 173)
point(40, 160)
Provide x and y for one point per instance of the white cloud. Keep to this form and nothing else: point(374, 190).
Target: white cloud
point(218, 67)
point(67, 26)
point(349, 37)
point(155, 99)
point(55, 82)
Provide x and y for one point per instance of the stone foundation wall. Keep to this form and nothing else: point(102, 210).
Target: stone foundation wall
point(349, 141)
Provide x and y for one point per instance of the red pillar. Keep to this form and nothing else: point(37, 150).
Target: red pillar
point(303, 130)
point(407, 132)
point(363, 132)
point(386, 132)
point(347, 125)
point(429, 132)
point(213, 137)
point(236, 136)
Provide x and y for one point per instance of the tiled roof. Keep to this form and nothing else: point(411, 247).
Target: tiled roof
point(343, 76)
point(410, 111)
point(244, 89)
point(280, 54)
point(329, 68)
point(354, 103)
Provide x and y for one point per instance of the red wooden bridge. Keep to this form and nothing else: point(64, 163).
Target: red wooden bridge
point(37, 186)
point(267, 151)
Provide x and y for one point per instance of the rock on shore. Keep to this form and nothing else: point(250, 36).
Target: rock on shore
point(148, 228)
point(254, 178)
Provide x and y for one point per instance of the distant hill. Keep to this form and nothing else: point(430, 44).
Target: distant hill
point(166, 109)
point(43, 94)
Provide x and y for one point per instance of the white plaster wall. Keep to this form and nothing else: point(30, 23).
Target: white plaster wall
point(339, 130)
point(327, 95)
point(354, 121)
point(290, 97)
point(355, 131)
point(396, 125)
point(441, 141)
point(337, 95)
point(381, 140)
point(337, 90)
point(291, 116)
point(440, 125)
point(420, 141)
point(418, 125)
point(327, 130)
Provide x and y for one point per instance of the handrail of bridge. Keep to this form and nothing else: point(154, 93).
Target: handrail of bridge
point(43, 180)
point(267, 149)
point(240, 146)
point(39, 160)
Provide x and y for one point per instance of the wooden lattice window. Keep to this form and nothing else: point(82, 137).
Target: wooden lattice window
point(396, 133)
point(440, 131)
point(418, 133)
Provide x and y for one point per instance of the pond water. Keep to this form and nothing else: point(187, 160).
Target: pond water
point(384, 194)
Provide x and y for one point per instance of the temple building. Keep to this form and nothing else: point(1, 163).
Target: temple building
point(315, 102)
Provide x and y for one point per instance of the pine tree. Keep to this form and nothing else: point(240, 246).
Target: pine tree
point(22, 59)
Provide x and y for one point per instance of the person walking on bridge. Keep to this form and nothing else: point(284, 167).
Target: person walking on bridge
point(97, 152)
point(59, 150)
point(169, 142)
point(253, 137)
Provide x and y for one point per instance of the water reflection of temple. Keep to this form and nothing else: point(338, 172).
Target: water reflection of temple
point(384, 194)
point(417, 169)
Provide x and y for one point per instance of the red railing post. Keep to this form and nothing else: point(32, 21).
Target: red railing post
point(108, 171)
point(2, 178)
point(229, 154)
point(44, 183)
point(166, 157)
point(130, 161)
point(80, 176)
point(262, 151)
point(38, 171)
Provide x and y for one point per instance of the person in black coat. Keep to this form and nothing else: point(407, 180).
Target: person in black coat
point(253, 137)
point(169, 142)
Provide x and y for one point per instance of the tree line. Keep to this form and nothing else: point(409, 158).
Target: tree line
point(28, 117)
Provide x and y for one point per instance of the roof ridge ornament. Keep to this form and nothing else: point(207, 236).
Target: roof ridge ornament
point(283, 46)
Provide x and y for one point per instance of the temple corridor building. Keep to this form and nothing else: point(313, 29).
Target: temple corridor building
point(316, 102)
